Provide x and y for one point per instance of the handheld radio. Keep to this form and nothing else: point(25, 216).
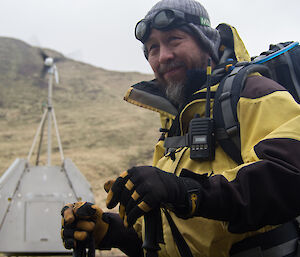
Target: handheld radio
point(201, 130)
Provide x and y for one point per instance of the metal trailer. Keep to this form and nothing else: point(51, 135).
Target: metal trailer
point(31, 196)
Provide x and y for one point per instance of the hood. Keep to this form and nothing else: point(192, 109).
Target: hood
point(232, 46)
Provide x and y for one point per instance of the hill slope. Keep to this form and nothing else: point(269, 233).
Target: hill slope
point(100, 132)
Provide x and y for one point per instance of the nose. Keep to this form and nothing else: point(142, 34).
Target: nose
point(165, 54)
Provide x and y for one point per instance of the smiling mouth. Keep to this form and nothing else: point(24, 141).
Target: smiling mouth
point(172, 71)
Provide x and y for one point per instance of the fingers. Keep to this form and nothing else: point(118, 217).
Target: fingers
point(80, 235)
point(139, 205)
point(67, 236)
point(70, 236)
point(144, 207)
point(67, 213)
point(124, 184)
point(85, 225)
point(74, 234)
point(122, 211)
point(69, 243)
point(108, 185)
point(114, 194)
point(67, 229)
point(84, 210)
point(134, 202)
point(133, 216)
point(129, 185)
point(77, 223)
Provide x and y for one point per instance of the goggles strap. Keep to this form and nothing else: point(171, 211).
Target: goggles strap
point(196, 20)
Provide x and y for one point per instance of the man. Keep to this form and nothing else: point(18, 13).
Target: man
point(211, 205)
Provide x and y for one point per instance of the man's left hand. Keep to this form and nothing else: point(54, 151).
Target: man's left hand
point(141, 189)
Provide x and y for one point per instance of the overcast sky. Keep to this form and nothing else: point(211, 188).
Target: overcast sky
point(100, 32)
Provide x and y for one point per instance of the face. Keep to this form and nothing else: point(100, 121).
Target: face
point(171, 53)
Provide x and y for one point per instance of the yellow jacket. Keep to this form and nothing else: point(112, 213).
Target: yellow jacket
point(269, 121)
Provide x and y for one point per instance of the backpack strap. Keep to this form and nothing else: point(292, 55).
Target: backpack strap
point(182, 246)
point(291, 69)
point(279, 242)
point(225, 107)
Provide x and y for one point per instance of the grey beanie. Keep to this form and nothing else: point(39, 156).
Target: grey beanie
point(208, 36)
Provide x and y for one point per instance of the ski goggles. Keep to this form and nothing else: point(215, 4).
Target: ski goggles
point(165, 20)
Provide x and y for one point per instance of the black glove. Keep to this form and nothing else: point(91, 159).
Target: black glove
point(85, 224)
point(141, 189)
point(82, 223)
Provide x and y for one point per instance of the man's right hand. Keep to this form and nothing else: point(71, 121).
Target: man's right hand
point(82, 221)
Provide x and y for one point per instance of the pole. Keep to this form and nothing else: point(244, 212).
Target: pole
point(57, 136)
point(41, 126)
point(50, 74)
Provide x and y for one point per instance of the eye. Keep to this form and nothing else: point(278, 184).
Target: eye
point(152, 48)
point(175, 39)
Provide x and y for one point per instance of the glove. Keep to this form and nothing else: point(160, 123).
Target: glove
point(81, 223)
point(141, 189)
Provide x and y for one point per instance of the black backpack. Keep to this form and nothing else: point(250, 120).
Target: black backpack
point(280, 63)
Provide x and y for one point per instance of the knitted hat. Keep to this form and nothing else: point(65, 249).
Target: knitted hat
point(209, 37)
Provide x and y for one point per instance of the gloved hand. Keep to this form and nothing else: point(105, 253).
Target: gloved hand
point(82, 222)
point(141, 189)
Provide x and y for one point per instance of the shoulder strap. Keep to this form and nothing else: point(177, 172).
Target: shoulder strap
point(182, 246)
point(225, 107)
point(292, 71)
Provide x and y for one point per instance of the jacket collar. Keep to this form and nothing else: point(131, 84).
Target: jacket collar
point(147, 94)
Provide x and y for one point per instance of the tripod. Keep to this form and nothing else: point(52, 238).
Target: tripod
point(50, 114)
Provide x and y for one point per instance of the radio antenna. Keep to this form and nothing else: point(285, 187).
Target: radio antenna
point(208, 93)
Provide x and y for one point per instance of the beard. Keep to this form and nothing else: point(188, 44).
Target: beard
point(175, 93)
point(173, 88)
point(178, 90)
